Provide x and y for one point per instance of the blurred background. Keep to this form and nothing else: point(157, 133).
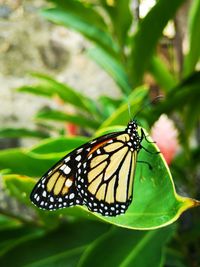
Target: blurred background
point(68, 72)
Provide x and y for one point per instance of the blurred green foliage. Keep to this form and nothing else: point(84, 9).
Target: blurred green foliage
point(126, 47)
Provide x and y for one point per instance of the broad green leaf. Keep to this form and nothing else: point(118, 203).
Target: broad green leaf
point(54, 247)
point(131, 248)
point(67, 258)
point(114, 68)
point(145, 40)
point(155, 202)
point(20, 188)
point(49, 87)
point(62, 116)
point(161, 74)
point(38, 159)
point(192, 57)
point(58, 144)
point(21, 161)
point(21, 132)
point(66, 17)
point(121, 116)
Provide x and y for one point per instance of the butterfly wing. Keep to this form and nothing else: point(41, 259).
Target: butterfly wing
point(58, 188)
point(105, 179)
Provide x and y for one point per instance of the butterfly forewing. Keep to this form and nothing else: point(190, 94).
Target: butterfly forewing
point(105, 181)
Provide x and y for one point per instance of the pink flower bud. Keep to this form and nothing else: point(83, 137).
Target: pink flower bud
point(165, 135)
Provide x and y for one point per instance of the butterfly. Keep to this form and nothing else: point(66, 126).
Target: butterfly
point(98, 174)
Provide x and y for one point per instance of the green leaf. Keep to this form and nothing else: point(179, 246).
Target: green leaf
point(22, 162)
point(58, 144)
point(15, 236)
point(21, 132)
point(192, 57)
point(145, 40)
point(155, 202)
point(121, 116)
point(84, 10)
point(179, 98)
point(18, 161)
point(161, 74)
point(54, 248)
point(61, 116)
point(7, 223)
point(78, 21)
point(121, 17)
point(49, 87)
point(113, 67)
point(36, 161)
point(132, 248)
point(109, 105)
point(191, 116)
point(20, 187)
point(159, 205)
point(174, 258)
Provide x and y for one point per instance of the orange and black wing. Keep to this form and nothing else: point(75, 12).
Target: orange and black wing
point(58, 187)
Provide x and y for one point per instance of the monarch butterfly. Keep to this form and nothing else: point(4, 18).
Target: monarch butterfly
point(98, 174)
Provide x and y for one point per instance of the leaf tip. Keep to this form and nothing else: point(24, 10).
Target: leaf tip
point(188, 203)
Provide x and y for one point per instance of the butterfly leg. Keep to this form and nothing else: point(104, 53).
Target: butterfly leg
point(144, 136)
point(147, 163)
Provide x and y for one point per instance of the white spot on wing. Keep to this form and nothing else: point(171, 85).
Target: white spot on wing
point(68, 183)
point(79, 165)
point(65, 169)
point(78, 158)
point(67, 159)
point(71, 196)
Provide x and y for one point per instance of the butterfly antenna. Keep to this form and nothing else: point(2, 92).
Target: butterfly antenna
point(129, 109)
point(146, 105)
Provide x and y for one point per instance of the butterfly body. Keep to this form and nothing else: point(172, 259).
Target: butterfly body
point(98, 175)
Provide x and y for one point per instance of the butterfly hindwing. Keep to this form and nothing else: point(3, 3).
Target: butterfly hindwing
point(57, 188)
